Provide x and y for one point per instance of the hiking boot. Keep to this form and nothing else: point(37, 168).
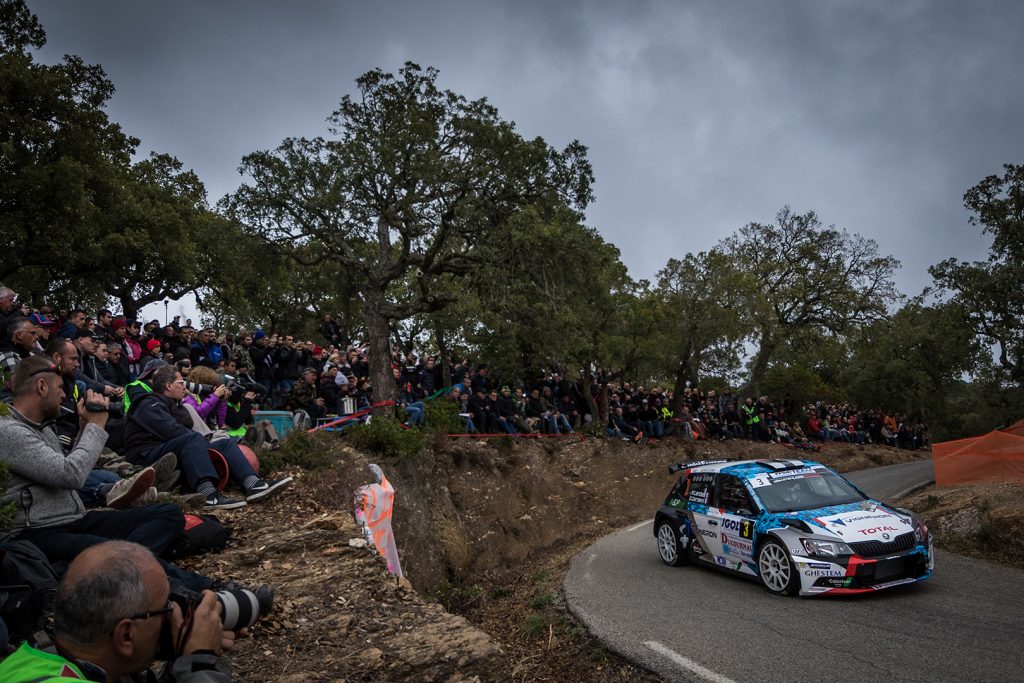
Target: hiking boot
point(167, 472)
point(219, 501)
point(147, 498)
point(126, 491)
point(265, 488)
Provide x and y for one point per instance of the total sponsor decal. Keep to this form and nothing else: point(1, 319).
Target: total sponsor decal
point(862, 526)
point(744, 527)
point(740, 546)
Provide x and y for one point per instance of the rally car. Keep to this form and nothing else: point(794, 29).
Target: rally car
point(795, 525)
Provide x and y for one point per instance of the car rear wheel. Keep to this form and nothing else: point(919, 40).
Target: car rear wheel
point(672, 551)
point(774, 566)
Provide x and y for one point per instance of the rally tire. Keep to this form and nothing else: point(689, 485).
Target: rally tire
point(673, 552)
point(776, 570)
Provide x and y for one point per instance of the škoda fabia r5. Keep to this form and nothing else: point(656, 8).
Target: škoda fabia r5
point(795, 525)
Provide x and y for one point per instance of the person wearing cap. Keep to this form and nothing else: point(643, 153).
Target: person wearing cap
point(154, 351)
point(44, 329)
point(306, 395)
point(88, 373)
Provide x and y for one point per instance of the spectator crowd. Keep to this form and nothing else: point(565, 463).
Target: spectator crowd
point(107, 415)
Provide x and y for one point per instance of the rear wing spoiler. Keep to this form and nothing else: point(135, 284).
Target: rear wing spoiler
point(672, 469)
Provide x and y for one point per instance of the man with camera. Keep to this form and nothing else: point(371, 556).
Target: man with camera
point(115, 614)
point(43, 481)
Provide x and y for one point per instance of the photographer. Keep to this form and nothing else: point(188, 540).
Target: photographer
point(112, 617)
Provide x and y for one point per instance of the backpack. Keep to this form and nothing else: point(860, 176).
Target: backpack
point(28, 585)
point(202, 534)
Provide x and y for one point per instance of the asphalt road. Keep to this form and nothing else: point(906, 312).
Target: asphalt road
point(696, 624)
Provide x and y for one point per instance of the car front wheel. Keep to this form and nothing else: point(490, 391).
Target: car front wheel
point(778, 575)
point(672, 551)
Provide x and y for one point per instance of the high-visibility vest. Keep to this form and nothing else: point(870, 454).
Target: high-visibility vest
point(127, 400)
point(29, 664)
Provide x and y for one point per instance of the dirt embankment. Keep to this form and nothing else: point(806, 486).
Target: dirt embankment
point(485, 528)
point(984, 521)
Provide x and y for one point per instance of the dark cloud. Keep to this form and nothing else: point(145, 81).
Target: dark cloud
point(700, 117)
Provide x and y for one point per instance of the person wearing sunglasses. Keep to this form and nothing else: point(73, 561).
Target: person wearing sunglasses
point(43, 482)
point(112, 613)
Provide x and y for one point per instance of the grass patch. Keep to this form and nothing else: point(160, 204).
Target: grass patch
point(542, 576)
point(542, 600)
point(534, 626)
point(299, 449)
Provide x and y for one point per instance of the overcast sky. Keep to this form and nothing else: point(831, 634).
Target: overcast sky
point(700, 116)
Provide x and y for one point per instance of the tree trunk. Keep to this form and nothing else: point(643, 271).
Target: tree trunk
point(759, 366)
point(444, 360)
point(129, 308)
point(379, 334)
point(588, 397)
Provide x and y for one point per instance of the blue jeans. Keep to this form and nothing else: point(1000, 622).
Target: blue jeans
point(92, 493)
point(507, 424)
point(654, 428)
point(194, 458)
point(415, 410)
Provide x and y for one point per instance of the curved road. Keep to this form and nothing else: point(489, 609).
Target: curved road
point(696, 624)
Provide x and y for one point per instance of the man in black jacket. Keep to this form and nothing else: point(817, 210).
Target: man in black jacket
point(159, 424)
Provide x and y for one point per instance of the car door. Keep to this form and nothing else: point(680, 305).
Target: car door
point(732, 517)
point(700, 489)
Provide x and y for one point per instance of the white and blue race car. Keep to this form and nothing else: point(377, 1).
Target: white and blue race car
point(795, 525)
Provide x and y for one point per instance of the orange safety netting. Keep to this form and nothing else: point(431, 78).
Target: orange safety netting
point(994, 457)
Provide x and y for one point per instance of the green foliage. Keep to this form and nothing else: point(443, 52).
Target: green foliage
point(385, 436)
point(806, 276)
point(534, 626)
point(991, 293)
point(542, 600)
point(412, 182)
point(801, 383)
point(442, 416)
point(299, 449)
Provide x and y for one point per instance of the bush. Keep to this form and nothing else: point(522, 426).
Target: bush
point(387, 437)
point(442, 416)
point(299, 449)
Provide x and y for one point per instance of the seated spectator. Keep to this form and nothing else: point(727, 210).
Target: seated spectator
point(19, 344)
point(111, 612)
point(158, 424)
point(153, 352)
point(651, 419)
point(213, 408)
point(74, 324)
point(306, 396)
point(88, 373)
point(43, 480)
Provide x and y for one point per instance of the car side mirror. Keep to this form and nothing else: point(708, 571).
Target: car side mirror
point(743, 512)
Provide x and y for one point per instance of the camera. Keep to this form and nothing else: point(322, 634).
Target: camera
point(240, 607)
point(198, 389)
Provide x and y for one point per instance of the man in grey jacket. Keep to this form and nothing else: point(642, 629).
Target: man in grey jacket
point(111, 611)
point(43, 482)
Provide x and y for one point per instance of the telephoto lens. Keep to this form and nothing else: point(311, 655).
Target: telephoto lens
point(198, 389)
point(240, 607)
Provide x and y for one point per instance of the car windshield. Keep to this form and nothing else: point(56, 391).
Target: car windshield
point(806, 492)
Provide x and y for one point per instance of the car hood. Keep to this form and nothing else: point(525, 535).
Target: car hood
point(866, 521)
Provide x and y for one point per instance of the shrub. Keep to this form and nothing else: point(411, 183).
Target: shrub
point(387, 437)
point(442, 416)
point(299, 449)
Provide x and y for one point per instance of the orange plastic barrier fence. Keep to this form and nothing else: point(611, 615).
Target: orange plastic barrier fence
point(994, 457)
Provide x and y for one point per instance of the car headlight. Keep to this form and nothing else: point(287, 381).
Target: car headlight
point(825, 548)
point(920, 529)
